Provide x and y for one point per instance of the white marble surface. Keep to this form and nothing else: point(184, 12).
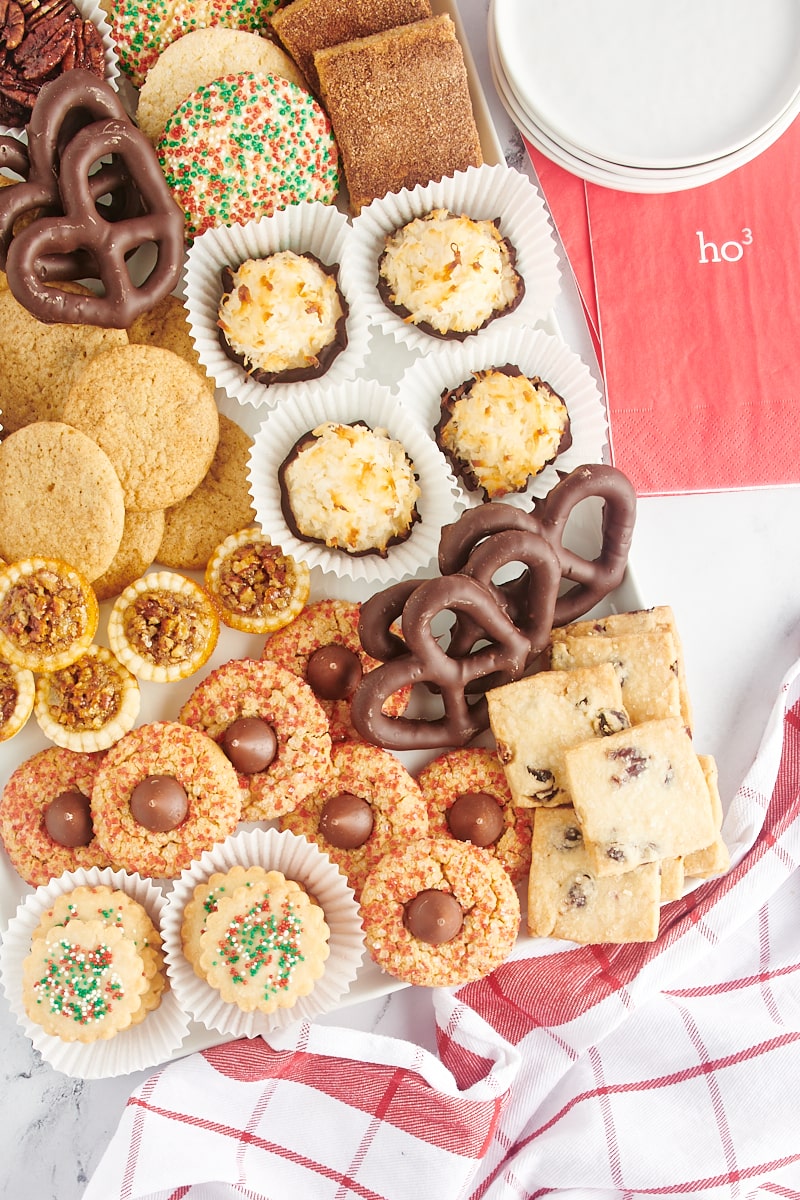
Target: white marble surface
point(728, 565)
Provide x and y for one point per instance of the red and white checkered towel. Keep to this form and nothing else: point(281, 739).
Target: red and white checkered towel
point(671, 1068)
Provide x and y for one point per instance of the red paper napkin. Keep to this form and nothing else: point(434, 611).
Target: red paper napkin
point(698, 309)
point(661, 1069)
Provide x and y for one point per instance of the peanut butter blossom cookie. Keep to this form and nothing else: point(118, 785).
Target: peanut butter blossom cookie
point(469, 799)
point(246, 144)
point(45, 815)
point(271, 727)
point(141, 30)
point(367, 807)
point(439, 913)
point(164, 794)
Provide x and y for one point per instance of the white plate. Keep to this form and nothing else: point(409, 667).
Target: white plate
point(611, 175)
point(642, 83)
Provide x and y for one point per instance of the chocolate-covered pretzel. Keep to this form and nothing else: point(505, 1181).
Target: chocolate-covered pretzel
point(594, 578)
point(90, 215)
point(426, 661)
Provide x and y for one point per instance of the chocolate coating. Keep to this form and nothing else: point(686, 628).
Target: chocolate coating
point(346, 821)
point(159, 803)
point(250, 744)
point(434, 917)
point(476, 817)
point(68, 819)
point(333, 672)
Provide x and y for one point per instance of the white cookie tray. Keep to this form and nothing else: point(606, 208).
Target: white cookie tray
point(386, 362)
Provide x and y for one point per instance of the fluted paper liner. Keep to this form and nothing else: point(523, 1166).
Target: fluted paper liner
point(309, 227)
point(90, 10)
point(482, 193)
point(535, 352)
point(136, 1048)
point(363, 400)
point(297, 859)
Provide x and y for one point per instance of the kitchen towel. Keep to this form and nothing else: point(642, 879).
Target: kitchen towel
point(666, 1068)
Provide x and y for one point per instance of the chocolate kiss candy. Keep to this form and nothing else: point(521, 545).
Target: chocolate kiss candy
point(250, 744)
point(68, 819)
point(434, 917)
point(333, 672)
point(346, 821)
point(475, 817)
point(159, 803)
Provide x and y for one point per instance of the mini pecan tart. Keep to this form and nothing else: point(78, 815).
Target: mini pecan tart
point(89, 704)
point(163, 627)
point(255, 586)
point(48, 614)
point(17, 690)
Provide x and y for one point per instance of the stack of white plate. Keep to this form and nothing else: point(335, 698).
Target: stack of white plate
point(647, 96)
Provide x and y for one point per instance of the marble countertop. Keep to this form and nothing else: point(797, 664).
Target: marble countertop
point(726, 563)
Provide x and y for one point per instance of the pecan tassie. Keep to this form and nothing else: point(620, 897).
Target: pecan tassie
point(38, 40)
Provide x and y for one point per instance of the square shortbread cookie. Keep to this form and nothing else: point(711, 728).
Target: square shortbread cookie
point(640, 795)
point(713, 858)
point(643, 620)
point(535, 720)
point(567, 899)
point(646, 664)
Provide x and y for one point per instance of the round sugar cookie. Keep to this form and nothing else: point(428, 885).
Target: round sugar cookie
point(60, 497)
point(220, 505)
point(154, 415)
point(141, 31)
point(243, 145)
point(199, 57)
point(166, 325)
point(141, 537)
point(39, 361)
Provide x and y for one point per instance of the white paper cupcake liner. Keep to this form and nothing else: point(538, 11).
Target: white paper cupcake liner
point(535, 352)
point(153, 1040)
point(483, 193)
point(297, 859)
point(91, 11)
point(312, 227)
point(363, 400)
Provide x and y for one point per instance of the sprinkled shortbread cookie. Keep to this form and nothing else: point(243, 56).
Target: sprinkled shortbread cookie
point(265, 946)
point(535, 720)
point(220, 505)
point(640, 795)
point(163, 794)
point(83, 981)
point(113, 907)
point(646, 664)
point(272, 728)
point(322, 646)
point(469, 799)
point(242, 146)
point(439, 913)
point(567, 899)
point(142, 31)
point(370, 805)
point(205, 900)
point(45, 818)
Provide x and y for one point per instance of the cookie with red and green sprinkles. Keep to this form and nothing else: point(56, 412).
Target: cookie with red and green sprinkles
point(244, 145)
point(143, 28)
point(265, 946)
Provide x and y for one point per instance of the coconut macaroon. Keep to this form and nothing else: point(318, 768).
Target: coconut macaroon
point(449, 274)
point(282, 317)
point(500, 428)
point(350, 487)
